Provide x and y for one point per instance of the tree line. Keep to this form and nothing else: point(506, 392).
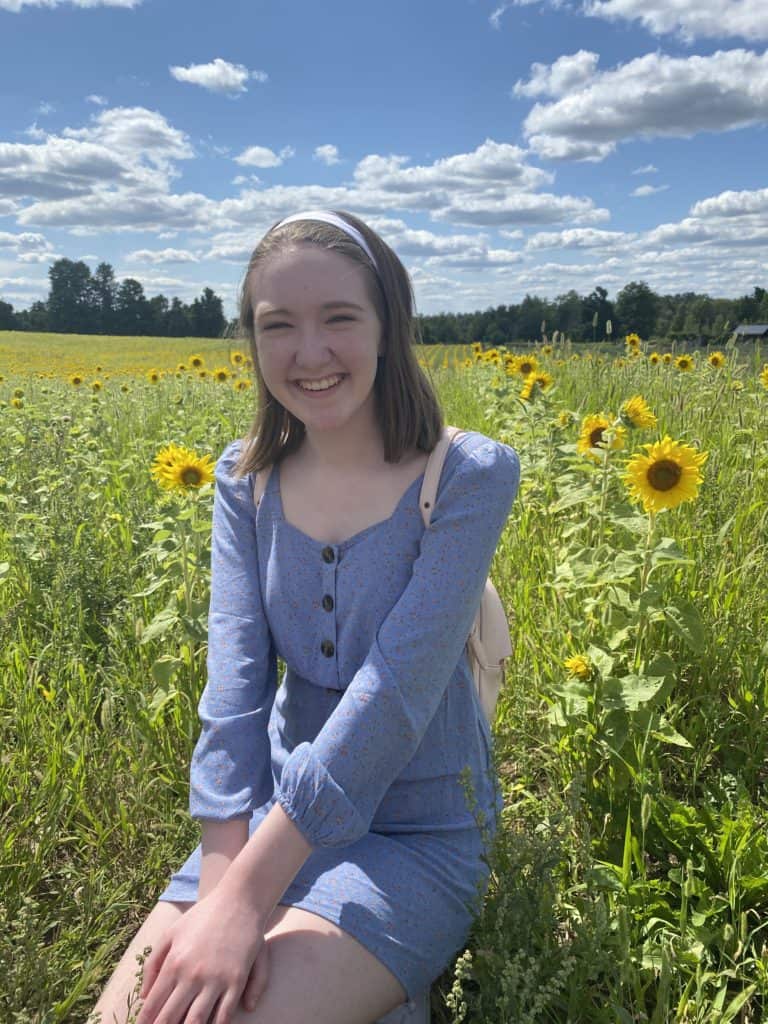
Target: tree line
point(81, 302)
point(689, 316)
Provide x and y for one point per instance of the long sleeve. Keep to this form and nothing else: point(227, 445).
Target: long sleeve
point(230, 772)
point(331, 787)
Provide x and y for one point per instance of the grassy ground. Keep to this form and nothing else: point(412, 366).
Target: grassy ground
point(629, 879)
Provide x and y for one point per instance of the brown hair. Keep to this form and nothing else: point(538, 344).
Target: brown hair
point(407, 407)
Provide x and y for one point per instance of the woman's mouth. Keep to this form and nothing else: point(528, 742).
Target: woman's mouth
point(321, 386)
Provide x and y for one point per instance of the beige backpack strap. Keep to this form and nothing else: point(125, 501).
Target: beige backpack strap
point(428, 494)
point(260, 484)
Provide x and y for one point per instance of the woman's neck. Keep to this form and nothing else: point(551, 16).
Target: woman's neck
point(344, 450)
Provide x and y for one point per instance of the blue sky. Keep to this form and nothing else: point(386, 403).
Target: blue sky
point(502, 148)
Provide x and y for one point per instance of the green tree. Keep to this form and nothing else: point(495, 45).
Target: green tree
point(104, 292)
point(132, 311)
point(596, 304)
point(7, 318)
point(69, 301)
point(637, 307)
point(207, 315)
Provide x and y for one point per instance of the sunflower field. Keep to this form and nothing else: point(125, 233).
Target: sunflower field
point(630, 874)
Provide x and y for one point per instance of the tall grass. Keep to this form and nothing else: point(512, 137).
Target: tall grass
point(630, 879)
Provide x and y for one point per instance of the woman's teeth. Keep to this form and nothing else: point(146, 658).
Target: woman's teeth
point(319, 385)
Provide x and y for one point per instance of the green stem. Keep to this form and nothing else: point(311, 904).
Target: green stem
point(185, 571)
point(644, 572)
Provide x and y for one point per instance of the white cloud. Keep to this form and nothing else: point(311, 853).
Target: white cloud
point(492, 165)
point(567, 73)
point(127, 209)
point(648, 190)
point(579, 238)
point(327, 154)
point(261, 156)
point(733, 204)
point(691, 19)
point(45, 108)
point(162, 256)
point(58, 168)
point(136, 134)
point(14, 6)
point(646, 169)
point(653, 95)
point(219, 76)
point(99, 101)
point(28, 246)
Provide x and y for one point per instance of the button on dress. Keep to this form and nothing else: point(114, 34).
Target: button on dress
point(374, 743)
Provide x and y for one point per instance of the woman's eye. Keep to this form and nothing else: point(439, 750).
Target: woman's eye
point(341, 318)
point(278, 325)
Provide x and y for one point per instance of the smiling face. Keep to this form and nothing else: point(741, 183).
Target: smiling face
point(317, 336)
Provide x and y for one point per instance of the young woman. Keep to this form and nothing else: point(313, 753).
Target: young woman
point(341, 862)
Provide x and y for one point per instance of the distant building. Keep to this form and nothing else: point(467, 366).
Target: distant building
point(751, 332)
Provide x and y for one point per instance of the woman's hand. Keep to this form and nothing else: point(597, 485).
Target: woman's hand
point(206, 962)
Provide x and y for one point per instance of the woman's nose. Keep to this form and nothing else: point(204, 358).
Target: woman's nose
point(311, 349)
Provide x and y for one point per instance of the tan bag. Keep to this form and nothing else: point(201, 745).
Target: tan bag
point(489, 643)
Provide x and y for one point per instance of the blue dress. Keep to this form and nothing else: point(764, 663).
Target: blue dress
point(377, 718)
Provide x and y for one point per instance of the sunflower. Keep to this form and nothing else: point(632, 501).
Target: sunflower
point(667, 358)
point(237, 358)
point(594, 429)
point(221, 374)
point(99, 369)
point(202, 374)
point(178, 469)
point(76, 380)
point(565, 419)
point(579, 665)
point(633, 341)
point(763, 378)
point(17, 403)
point(654, 358)
point(546, 350)
point(189, 471)
point(96, 385)
point(684, 363)
point(536, 382)
point(526, 365)
point(666, 476)
point(635, 412)
point(476, 346)
point(242, 385)
point(716, 360)
point(153, 376)
point(196, 362)
point(182, 367)
point(18, 392)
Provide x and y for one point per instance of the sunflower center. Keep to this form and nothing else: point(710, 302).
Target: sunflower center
point(526, 368)
point(596, 437)
point(191, 476)
point(664, 475)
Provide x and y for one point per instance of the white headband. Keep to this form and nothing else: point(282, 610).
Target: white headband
point(328, 217)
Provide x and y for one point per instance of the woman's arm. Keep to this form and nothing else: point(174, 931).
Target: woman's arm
point(221, 842)
point(265, 865)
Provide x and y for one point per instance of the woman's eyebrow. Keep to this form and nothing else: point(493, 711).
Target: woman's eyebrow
point(340, 304)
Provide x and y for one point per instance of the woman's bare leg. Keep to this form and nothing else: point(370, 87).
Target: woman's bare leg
point(317, 972)
point(113, 1004)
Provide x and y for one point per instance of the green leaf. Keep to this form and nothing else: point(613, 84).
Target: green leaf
point(685, 620)
point(164, 669)
point(162, 623)
point(631, 691)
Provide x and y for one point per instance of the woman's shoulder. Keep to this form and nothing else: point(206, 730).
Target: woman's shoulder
point(472, 449)
point(226, 471)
